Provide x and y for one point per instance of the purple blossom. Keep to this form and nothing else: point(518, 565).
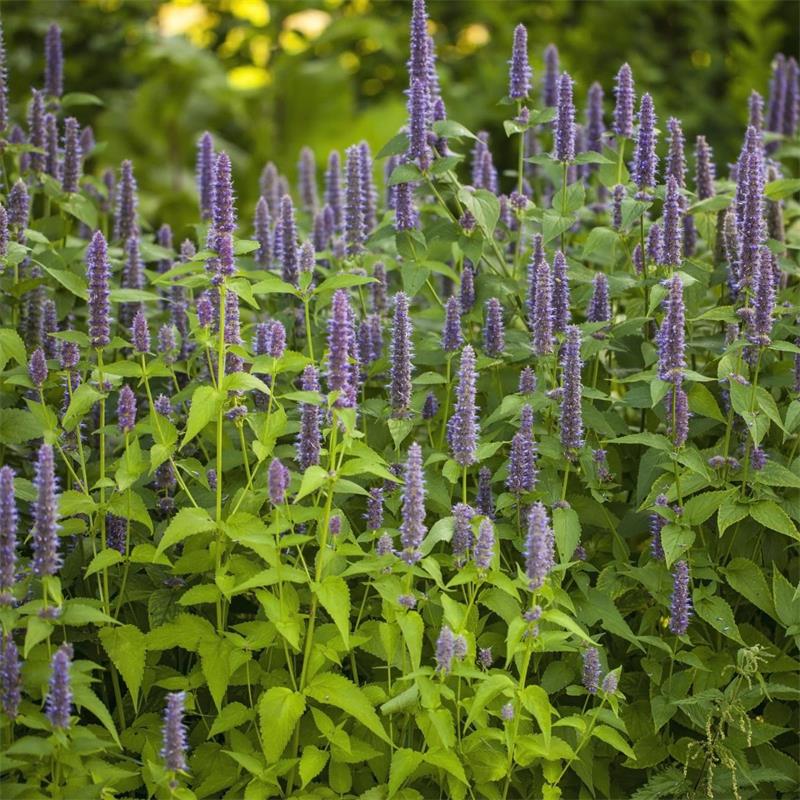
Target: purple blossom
point(412, 527)
point(126, 409)
point(625, 100)
point(36, 130)
point(278, 482)
point(10, 677)
point(18, 209)
point(286, 253)
point(758, 458)
point(3, 231)
point(418, 64)
point(671, 335)
point(777, 94)
point(467, 293)
point(374, 515)
point(98, 272)
point(333, 188)
point(539, 554)
point(463, 426)
point(541, 291)
point(571, 415)
point(126, 220)
point(58, 705)
point(224, 211)
point(755, 108)
point(760, 325)
point(71, 173)
point(309, 437)
point(204, 172)
point(406, 216)
point(452, 338)
point(445, 650)
point(307, 180)
point(54, 62)
point(355, 224)
point(645, 160)
point(791, 106)
point(599, 306)
point(46, 559)
point(550, 80)
point(271, 189)
point(384, 546)
point(560, 293)
point(401, 355)
point(430, 408)
point(676, 158)
point(341, 339)
point(704, 173)
point(37, 367)
point(595, 127)
point(369, 195)
point(673, 216)
point(418, 115)
point(485, 657)
point(262, 224)
point(8, 534)
point(494, 336)
point(140, 333)
point(463, 538)
point(654, 243)
point(507, 712)
point(591, 670)
point(522, 471)
point(527, 381)
point(677, 404)
point(166, 339)
point(519, 74)
point(116, 533)
point(173, 733)
point(681, 602)
point(749, 202)
point(163, 406)
point(484, 501)
point(610, 683)
point(564, 124)
point(3, 84)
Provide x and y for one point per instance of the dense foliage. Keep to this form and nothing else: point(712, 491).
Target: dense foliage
point(440, 490)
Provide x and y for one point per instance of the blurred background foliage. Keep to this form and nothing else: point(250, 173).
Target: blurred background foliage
point(269, 77)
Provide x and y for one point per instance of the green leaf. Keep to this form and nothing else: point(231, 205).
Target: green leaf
point(82, 208)
point(404, 173)
point(279, 711)
point(334, 596)
point(748, 580)
point(601, 242)
point(312, 762)
point(676, 540)
point(700, 507)
point(404, 763)
point(535, 699)
point(215, 662)
point(12, 346)
point(613, 737)
point(83, 398)
point(488, 689)
point(718, 614)
point(784, 187)
point(567, 530)
point(104, 559)
point(703, 403)
point(18, 426)
point(451, 129)
point(553, 225)
point(336, 690)
point(394, 147)
point(772, 516)
point(84, 697)
point(232, 716)
point(126, 646)
point(72, 99)
point(187, 522)
point(205, 405)
point(313, 478)
point(413, 629)
point(730, 512)
point(448, 761)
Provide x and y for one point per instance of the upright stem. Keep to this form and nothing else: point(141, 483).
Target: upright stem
point(220, 418)
point(102, 511)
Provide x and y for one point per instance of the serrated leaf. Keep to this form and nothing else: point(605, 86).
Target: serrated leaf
point(772, 516)
point(312, 762)
point(313, 478)
point(567, 531)
point(104, 559)
point(126, 646)
point(404, 763)
point(232, 716)
point(334, 596)
point(613, 737)
point(279, 711)
point(718, 614)
point(205, 405)
point(748, 580)
point(187, 522)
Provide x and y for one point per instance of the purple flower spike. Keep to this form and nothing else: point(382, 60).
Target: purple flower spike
point(541, 320)
point(539, 559)
point(599, 306)
point(406, 216)
point(564, 125)
point(10, 677)
point(671, 335)
point(71, 173)
point(51, 165)
point(645, 160)
point(595, 127)
point(341, 340)
point(764, 299)
point(333, 188)
point(369, 194)
point(58, 705)
point(571, 415)
point(402, 353)
point(412, 527)
point(591, 670)
point(452, 338)
point(98, 272)
point(204, 171)
point(618, 197)
point(173, 733)
point(749, 203)
point(46, 559)
point(140, 333)
point(374, 515)
point(126, 220)
point(36, 130)
point(777, 94)
point(418, 42)
point(19, 209)
point(625, 99)
point(673, 225)
point(561, 315)
point(463, 426)
point(8, 534)
point(657, 523)
point(287, 252)
point(445, 650)
point(791, 106)
point(755, 108)
point(224, 211)
point(355, 224)
point(418, 115)
point(519, 74)
point(484, 545)
point(278, 482)
point(467, 293)
point(430, 408)
point(262, 225)
point(681, 603)
point(676, 402)
point(704, 169)
point(494, 335)
point(654, 243)
point(550, 81)
point(485, 657)
point(126, 409)
point(54, 62)
point(522, 471)
point(3, 83)
point(676, 159)
point(3, 232)
point(484, 500)
point(37, 367)
point(463, 538)
point(527, 381)
point(309, 438)
point(307, 180)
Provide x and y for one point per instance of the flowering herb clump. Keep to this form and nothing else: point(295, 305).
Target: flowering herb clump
point(480, 481)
